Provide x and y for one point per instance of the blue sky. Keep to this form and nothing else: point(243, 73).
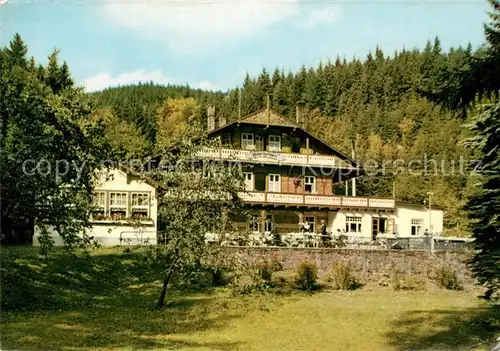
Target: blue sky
point(211, 44)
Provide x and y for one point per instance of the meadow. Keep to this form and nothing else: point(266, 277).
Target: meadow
point(106, 302)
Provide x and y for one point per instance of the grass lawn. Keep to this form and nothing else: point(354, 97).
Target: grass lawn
point(105, 303)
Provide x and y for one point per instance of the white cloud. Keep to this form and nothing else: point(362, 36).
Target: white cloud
point(194, 26)
point(207, 85)
point(104, 80)
point(323, 15)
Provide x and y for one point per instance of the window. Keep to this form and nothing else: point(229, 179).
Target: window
point(310, 221)
point(100, 200)
point(99, 203)
point(140, 205)
point(274, 183)
point(226, 139)
point(118, 205)
point(353, 224)
point(416, 226)
point(249, 181)
point(247, 141)
point(118, 200)
point(310, 184)
point(259, 142)
point(140, 200)
point(254, 223)
point(268, 224)
point(274, 143)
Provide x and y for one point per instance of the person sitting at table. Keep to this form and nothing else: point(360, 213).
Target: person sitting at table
point(307, 227)
point(324, 234)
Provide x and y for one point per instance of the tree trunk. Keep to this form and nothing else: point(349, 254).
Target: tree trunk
point(161, 300)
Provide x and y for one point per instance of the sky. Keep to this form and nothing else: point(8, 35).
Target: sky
point(211, 44)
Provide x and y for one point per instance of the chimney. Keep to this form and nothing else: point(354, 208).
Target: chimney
point(268, 110)
point(211, 118)
point(222, 121)
point(299, 113)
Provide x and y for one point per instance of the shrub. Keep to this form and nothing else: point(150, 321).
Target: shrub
point(307, 274)
point(220, 277)
point(446, 277)
point(342, 277)
point(402, 282)
point(266, 268)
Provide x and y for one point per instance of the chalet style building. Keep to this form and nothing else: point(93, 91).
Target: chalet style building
point(292, 177)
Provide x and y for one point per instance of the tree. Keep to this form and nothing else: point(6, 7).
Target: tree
point(50, 150)
point(57, 77)
point(195, 198)
point(172, 121)
point(124, 138)
point(15, 53)
point(484, 205)
point(462, 90)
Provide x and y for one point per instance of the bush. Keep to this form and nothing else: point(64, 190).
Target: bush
point(446, 277)
point(307, 274)
point(220, 277)
point(266, 268)
point(402, 282)
point(342, 277)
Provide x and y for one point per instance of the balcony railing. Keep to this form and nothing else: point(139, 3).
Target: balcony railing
point(315, 200)
point(272, 157)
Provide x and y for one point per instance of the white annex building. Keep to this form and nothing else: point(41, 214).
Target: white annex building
point(125, 211)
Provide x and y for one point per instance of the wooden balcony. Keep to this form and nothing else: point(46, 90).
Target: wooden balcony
point(268, 157)
point(268, 198)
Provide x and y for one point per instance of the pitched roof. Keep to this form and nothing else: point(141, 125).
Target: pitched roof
point(272, 118)
point(267, 118)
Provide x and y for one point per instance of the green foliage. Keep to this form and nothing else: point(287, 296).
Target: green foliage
point(266, 268)
point(306, 275)
point(183, 183)
point(220, 277)
point(343, 277)
point(45, 121)
point(406, 282)
point(172, 121)
point(138, 104)
point(473, 88)
point(125, 140)
point(446, 277)
point(484, 204)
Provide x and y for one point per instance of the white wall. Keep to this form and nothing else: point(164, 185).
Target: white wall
point(402, 220)
point(337, 221)
point(405, 213)
point(108, 233)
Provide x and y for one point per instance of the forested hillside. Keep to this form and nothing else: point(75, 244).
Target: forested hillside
point(375, 105)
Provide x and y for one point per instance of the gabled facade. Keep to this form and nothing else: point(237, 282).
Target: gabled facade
point(291, 178)
point(125, 211)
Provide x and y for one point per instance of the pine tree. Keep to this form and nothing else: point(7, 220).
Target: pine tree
point(484, 206)
point(492, 30)
point(263, 87)
point(15, 53)
point(461, 90)
point(276, 77)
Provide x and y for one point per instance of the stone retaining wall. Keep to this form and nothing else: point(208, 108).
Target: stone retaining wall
point(370, 264)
